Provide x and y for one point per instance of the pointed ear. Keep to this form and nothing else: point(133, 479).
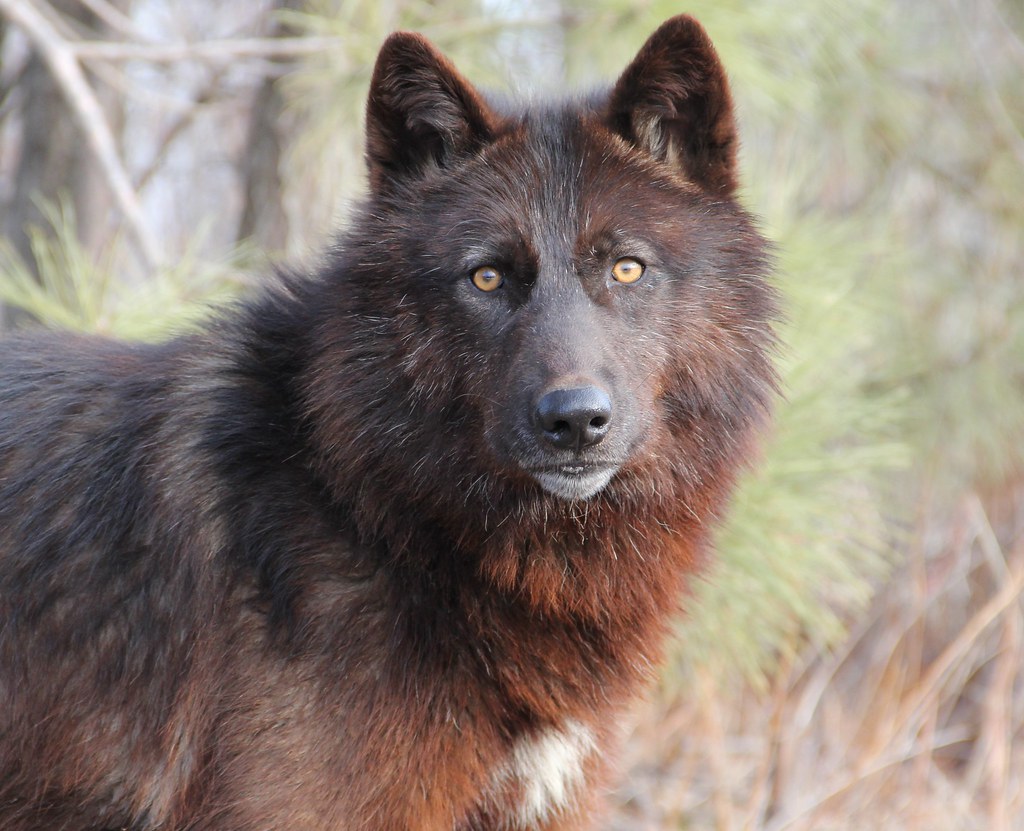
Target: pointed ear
point(420, 111)
point(673, 101)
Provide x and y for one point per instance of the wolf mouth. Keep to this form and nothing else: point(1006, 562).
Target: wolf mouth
point(574, 480)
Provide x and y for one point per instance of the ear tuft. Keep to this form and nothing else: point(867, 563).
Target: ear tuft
point(420, 111)
point(673, 101)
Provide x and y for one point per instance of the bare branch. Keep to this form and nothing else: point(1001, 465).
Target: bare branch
point(216, 51)
point(61, 60)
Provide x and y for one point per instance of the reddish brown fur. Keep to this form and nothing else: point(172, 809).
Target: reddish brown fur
point(317, 566)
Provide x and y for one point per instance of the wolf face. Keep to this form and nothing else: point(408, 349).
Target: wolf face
point(586, 278)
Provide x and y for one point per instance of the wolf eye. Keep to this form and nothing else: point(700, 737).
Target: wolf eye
point(487, 278)
point(627, 270)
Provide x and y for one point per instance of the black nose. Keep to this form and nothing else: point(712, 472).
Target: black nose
point(574, 418)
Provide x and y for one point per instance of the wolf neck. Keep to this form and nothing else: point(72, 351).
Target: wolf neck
point(584, 562)
point(561, 617)
point(563, 576)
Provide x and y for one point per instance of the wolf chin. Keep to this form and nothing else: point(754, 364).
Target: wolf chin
point(394, 545)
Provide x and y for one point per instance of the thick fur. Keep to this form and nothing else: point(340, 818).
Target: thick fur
point(315, 566)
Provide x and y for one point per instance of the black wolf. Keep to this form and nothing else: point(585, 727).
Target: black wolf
point(392, 546)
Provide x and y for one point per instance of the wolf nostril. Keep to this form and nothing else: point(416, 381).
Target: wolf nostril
point(574, 418)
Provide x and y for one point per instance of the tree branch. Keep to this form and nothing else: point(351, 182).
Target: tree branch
point(60, 57)
point(216, 51)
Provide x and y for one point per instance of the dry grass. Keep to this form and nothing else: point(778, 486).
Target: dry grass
point(914, 723)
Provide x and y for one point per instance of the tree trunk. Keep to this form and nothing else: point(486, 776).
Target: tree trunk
point(263, 216)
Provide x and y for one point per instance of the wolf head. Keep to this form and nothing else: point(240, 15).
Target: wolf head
point(556, 300)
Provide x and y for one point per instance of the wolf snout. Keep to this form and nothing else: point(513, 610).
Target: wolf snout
point(576, 418)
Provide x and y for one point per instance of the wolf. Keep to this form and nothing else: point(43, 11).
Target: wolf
point(395, 545)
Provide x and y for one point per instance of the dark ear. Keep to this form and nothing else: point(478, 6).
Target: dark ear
point(420, 111)
point(673, 101)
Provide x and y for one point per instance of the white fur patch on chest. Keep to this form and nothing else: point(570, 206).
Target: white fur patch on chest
point(547, 770)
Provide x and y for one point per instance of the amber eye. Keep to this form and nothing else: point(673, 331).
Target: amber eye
point(487, 278)
point(627, 270)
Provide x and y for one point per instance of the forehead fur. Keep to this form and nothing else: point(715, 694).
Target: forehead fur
point(555, 179)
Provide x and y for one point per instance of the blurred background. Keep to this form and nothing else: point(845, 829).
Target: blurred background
point(854, 658)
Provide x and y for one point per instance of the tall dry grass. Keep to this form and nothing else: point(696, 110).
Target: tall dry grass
point(913, 722)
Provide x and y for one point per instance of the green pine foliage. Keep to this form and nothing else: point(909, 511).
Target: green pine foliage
point(69, 287)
